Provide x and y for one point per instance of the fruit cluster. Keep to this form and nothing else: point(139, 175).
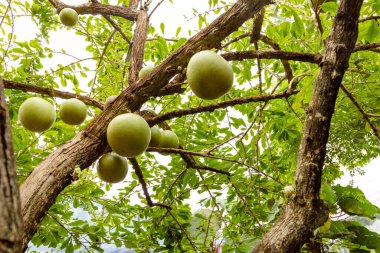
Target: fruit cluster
point(209, 76)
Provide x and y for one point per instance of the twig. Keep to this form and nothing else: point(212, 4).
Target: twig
point(140, 176)
point(117, 28)
point(155, 8)
point(361, 110)
point(374, 17)
point(68, 231)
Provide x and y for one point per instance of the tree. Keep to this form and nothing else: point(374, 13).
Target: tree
point(237, 153)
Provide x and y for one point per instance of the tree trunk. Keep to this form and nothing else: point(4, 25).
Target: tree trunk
point(305, 211)
point(10, 207)
point(48, 179)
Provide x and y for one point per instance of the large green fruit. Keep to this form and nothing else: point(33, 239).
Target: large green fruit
point(209, 75)
point(112, 168)
point(109, 100)
point(68, 17)
point(36, 114)
point(156, 137)
point(145, 71)
point(128, 134)
point(73, 111)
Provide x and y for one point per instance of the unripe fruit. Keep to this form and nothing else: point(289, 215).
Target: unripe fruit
point(109, 100)
point(112, 168)
point(156, 137)
point(145, 71)
point(73, 111)
point(209, 75)
point(68, 17)
point(169, 140)
point(128, 134)
point(288, 190)
point(36, 114)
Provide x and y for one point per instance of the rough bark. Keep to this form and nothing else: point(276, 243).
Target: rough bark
point(10, 207)
point(138, 46)
point(48, 179)
point(305, 211)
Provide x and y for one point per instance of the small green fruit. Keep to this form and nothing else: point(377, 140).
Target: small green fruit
point(73, 111)
point(128, 134)
point(36, 114)
point(112, 168)
point(156, 137)
point(145, 71)
point(209, 75)
point(109, 100)
point(68, 17)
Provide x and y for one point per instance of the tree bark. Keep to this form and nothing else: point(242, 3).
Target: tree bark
point(10, 207)
point(48, 179)
point(305, 211)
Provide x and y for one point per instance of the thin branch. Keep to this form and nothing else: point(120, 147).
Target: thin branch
point(68, 231)
point(364, 47)
point(374, 17)
point(117, 28)
point(373, 115)
point(361, 110)
point(155, 8)
point(270, 54)
point(207, 155)
point(140, 176)
point(52, 92)
point(223, 104)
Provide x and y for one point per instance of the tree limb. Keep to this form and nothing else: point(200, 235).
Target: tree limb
point(305, 211)
point(10, 206)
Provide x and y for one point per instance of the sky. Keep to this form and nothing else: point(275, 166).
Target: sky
point(180, 14)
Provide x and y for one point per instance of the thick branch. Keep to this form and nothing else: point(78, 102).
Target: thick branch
point(98, 9)
point(10, 207)
point(138, 46)
point(223, 104)
point(305, 211)
point(50, 177)
point(361, 110)
point(52, 92)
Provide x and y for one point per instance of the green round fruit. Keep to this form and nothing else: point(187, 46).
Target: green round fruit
point(109, 100)
point(36, 114)
point(128, 134)
point(145, 71)
point(68, 16)
point(73, 111)
point(209, 75)
point(112, 168)
point(169, 139)
point(156, 137)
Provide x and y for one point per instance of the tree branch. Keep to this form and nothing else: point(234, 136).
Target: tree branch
point(223, 104)
point(305, 211)
point(52, 92)
point(144, 186)
point(361, 110)
point(98, 8)
point(10, 206)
